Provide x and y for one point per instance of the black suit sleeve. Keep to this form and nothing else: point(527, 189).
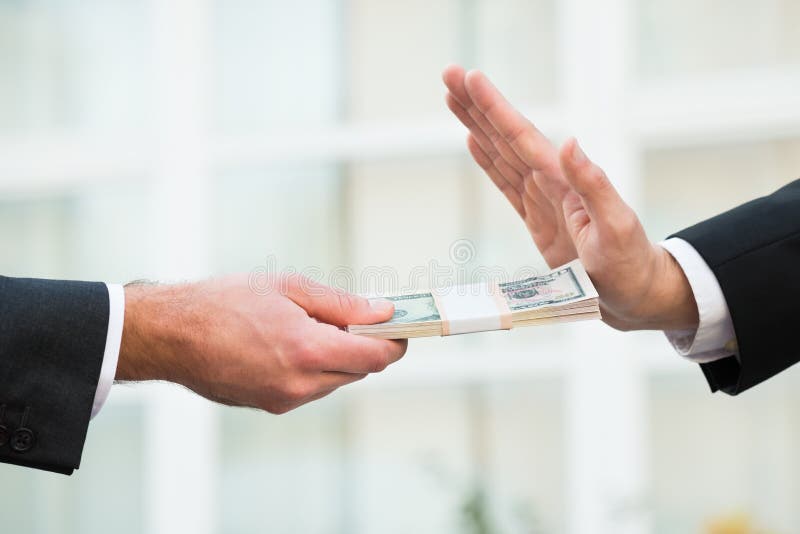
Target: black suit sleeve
point(52, 341)
point(754, 251)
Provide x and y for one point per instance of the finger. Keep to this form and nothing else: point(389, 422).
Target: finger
point(334, 306)
point(533, 193)
point(589, 181)
point(532, 147)
point(505, 176)
point(508, 172)
point(319, 391)
point(460, 112)
point(338, 379)
point(323, 393)
point(540, 213)
point(498, 178)
point(328, 382)
point(466, 119)
point(334, 350)
point(544, 185)
point(461, 105)
point(499, 144)
point(453, 77)
point(575, 216)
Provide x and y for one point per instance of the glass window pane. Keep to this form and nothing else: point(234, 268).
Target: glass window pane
point(277, 63)
point(405, 213)
point(684, 186)
point(397, 50)
point(95, 232)
point(75, 64)
point(684, 37)
point(35, 233)
point(515, 43)
point(289, 213)
point(283, 474)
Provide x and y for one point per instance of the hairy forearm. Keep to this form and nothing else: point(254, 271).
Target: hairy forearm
point(155, 336)
point(232, 345)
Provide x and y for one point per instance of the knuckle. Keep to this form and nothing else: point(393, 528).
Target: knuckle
point(519, 133)
point(304, 352)
point(346, 301)
point(295, 283)
point(296, 390)
point(480, 156)
point(597, 179)
point(627, 223)
point(286, 283)
point(499, 163)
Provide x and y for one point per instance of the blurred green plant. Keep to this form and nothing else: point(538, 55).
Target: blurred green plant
point(476, 504)
point(475, 513)
point(476, 516)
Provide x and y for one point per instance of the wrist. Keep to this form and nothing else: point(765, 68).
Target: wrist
point(666, 302)
point(151, 339)
point(670, 304)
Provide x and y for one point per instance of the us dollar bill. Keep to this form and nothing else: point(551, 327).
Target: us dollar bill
point(557, 287)
point(414, 308)
point(564, 294)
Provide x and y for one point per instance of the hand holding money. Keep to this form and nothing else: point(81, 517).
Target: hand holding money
point(565, 294)
point(276, 348)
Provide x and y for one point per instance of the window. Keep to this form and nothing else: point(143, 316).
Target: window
point(183, 139)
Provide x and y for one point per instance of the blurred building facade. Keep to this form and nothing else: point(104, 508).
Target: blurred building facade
point(181, 139)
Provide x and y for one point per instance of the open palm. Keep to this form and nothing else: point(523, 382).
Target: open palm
point(571, 209)
point(519, 159)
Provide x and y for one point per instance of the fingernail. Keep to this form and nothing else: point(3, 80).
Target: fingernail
point(578, 155)
point(382, 305)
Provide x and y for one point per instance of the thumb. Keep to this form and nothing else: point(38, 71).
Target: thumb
point(601, 200)
point(575, 216)
point(335, 306)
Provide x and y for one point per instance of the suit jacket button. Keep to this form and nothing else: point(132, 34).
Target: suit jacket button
point(3, 435)
point(23, 440)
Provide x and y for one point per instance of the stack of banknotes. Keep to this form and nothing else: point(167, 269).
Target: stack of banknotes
point(563, 295)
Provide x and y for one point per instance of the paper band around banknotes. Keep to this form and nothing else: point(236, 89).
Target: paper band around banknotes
point(473, 308)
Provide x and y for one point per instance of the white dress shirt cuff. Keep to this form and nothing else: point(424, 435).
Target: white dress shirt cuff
point(714, 338)
point(108, 370)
